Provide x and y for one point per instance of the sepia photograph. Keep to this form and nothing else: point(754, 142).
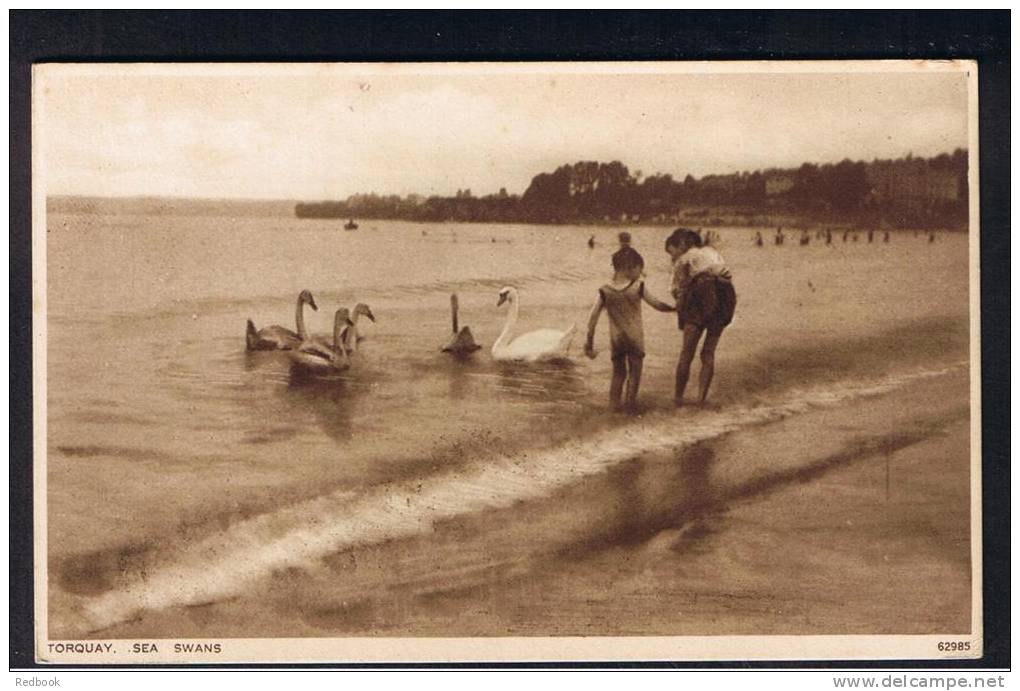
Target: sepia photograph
point(412, 362)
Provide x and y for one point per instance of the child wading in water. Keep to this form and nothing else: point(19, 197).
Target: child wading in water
point(622, 298)
point(705, 300)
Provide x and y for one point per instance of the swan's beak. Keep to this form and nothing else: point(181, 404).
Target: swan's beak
point(311, 303)
point(370, 315)
point(502, 299)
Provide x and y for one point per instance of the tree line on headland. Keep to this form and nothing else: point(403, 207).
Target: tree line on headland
point(904, 192)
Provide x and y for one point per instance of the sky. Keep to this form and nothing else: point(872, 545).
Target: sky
point(327, 131)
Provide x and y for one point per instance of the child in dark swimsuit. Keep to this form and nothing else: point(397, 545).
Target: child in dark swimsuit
point(622, 298)
point(705, 300)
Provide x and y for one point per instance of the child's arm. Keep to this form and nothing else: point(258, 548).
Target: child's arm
point(593, 320)
point(681, 278)
point(655, 302)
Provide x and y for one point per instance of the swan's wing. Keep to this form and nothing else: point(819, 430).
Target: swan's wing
point(316, 347)
point(463, 342)
point(277, 332)
point(568, 336)
point(278, 336)
point(539, 343)
point(540, 337)
point(310, 360)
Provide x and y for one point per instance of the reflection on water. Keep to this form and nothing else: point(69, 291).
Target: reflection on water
point(694, 481)
point(254, 359)
point(331, 400)
point(477, 377)
point(698, 497)
point(459, 370)
point(556, 380)
point(624, 508)
point(650, 495)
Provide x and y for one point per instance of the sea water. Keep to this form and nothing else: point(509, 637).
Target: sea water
point(175, 453)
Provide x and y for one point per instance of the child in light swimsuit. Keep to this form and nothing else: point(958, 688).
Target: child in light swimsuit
point(621, 298)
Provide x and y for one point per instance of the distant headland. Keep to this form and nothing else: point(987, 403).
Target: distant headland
point(905, 192)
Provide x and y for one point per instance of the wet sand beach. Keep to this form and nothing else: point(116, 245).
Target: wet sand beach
point(864, 531)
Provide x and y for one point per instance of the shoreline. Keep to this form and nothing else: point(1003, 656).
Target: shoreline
point(787, 223)
point(635, 519)
point(708, 217)
point(749, 378)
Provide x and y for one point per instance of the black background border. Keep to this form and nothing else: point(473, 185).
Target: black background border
point(363, 36)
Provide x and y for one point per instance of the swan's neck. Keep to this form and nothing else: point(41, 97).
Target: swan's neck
point(338, 328)
point(300, 318)
point(511, 320)
point(453, 311)
point(340, 357)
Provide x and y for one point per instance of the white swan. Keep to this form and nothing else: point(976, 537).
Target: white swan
point(318, 358)
point(277, 337)
point(542, 344)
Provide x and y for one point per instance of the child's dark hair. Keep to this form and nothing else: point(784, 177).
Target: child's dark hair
point(684, 235)
point(624, 238)
point(627, 258)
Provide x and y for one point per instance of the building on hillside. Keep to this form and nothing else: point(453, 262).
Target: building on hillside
point(912, 182)
point(778, 183)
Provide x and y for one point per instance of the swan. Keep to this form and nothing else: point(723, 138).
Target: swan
point(314, 356)
point(350, 336)
point(542, 344)
point(462, 342)
point(277, 337)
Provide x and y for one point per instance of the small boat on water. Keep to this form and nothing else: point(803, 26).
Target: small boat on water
point(350, 225)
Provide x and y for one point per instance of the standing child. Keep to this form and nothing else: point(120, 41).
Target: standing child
point(622, 298)
point(705, 301)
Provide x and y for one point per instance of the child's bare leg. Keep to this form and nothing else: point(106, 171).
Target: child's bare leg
point(619, 375)
point(692, 334)
point(708, 360)
point(634, 363)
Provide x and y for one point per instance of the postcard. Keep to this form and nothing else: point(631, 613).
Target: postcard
point(506, 362)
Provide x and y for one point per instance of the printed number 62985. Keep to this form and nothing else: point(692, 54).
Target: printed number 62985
point(954, 646)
